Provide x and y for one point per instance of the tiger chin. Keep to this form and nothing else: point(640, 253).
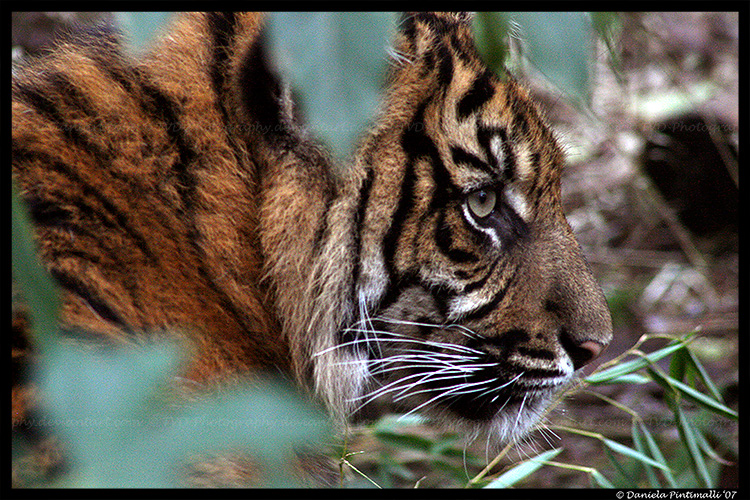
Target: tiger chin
point(181, 190)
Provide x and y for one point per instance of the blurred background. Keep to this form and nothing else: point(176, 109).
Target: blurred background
point(652, 194)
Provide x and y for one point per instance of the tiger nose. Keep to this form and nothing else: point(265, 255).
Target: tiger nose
point(581, 353)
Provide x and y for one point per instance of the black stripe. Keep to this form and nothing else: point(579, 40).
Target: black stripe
point(48, 214)
point(464, 157)
point(66, 253)
point(490, 306)
point(222, 28)
point(484, 136)
point(467, 53)
point(36, 99)
point(522, 111)
point(438, 23)
point(364, 197)
point(470, 287)
point(187, 186)
point(445, 66)
point(415, 144)
point(507, 341)
point(480, 92)
point(88, 191)
point(165, 108)
point(536, 353)
point(536, 193)
point(89, 295)
point(409, 28)
point(444, 241)
point(260, 94)
point(506, 223)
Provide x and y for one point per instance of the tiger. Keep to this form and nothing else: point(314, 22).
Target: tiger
point(181, 190)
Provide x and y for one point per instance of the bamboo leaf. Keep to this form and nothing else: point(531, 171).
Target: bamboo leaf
point(707, 449)
point(491, 36)
point(627, 477)
point(658, 456)
point(696, 396)
point(632, 366)
point(687, 431)
point(631, 378)
point(523, 470)
point(640, 445)
point(678, 364)
point(630, 452)
point(704, 376)
point(600, 480)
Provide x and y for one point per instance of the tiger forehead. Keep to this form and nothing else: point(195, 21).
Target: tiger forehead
point(490, 131)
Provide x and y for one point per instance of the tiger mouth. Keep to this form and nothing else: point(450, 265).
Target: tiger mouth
point(522, 394)
point(475, 399)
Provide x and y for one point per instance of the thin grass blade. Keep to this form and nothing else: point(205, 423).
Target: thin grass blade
point(640, 445)
point(687, 432)
point(523, 470)
point(633, 366)
point(658, 456)
point(630, 452)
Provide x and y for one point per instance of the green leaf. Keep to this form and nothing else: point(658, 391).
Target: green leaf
point(271, 418)
point(600, 480)
point(678, 364)
point(336, 62)
point(703, 375)
point(694, 395)
point(141, 27)
point(523, 470)
point(491, 39)
point(605, 376)
point(640, 445)
point(112, 409)
point(38, 288)
point(560, 46)
point(404, 440)
point(632, 378)
point(630, 452)
point(607, 25)
point(658, 456)
point(687, 432)
point(627, 477)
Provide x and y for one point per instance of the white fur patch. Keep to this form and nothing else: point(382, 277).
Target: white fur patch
point(518, 202)
point(496, 148)
point(486, 230)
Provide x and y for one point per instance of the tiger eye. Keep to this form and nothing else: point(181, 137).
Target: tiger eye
point(482, 202)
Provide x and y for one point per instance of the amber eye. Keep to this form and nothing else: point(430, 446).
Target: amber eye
point(482, 202)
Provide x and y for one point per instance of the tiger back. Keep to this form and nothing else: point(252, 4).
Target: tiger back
point(181, 192)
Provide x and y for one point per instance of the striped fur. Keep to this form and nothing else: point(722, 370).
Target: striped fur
point(180, 191)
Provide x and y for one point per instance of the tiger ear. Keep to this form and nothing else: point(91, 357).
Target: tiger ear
point(419, 30)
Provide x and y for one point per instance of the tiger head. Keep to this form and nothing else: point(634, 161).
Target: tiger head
point(472, 300)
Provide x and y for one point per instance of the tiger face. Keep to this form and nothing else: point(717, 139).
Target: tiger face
point(474, 302)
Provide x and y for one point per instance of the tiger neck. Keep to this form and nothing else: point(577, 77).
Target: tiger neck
point(308, 226)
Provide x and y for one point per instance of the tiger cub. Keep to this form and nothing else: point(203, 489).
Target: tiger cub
point(181, 191)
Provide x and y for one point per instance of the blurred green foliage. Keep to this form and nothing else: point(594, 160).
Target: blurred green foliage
point(336, 62)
